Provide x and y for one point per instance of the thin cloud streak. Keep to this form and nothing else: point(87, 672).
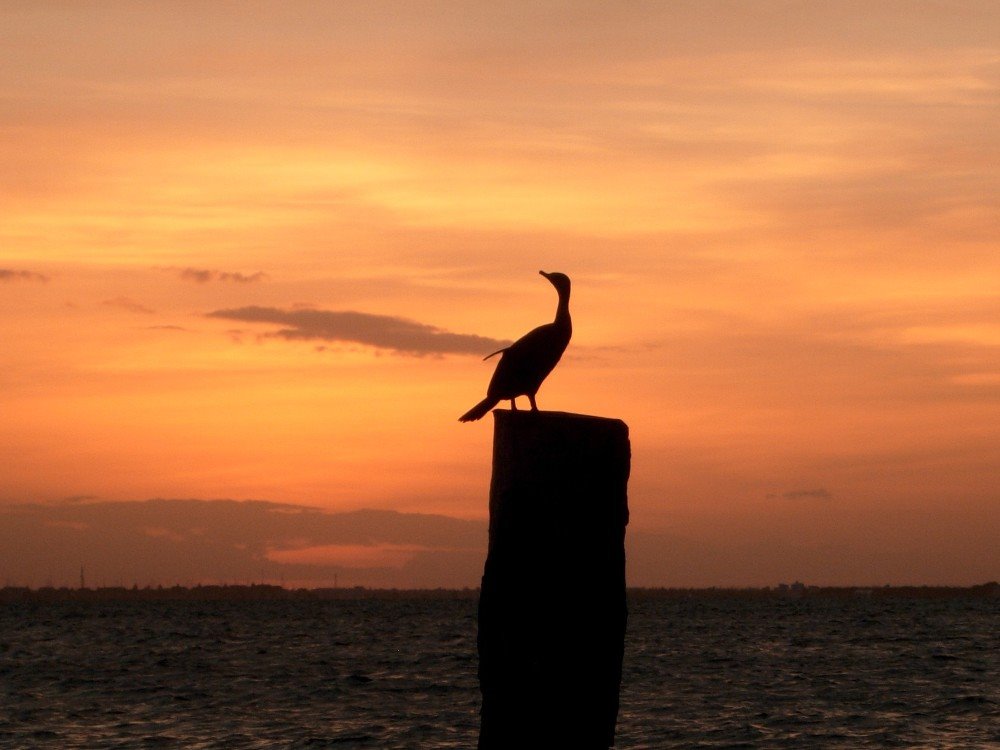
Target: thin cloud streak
point(819, 494)
point(207, 275)
point(126, 303)
point(12, 274)
point(380, 331)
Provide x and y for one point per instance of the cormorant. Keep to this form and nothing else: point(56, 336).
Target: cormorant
point(525, 364)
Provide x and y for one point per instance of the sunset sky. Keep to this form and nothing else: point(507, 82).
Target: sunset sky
point(256, 251)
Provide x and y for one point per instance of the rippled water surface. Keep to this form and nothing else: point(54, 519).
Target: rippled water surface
point(402, 674)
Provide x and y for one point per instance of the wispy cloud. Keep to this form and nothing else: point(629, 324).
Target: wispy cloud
point(206, 275)
point(80, 499)
point(126, 303)
point(13, 274)
point(381, 331)
point(817, 494)
point(204, 540)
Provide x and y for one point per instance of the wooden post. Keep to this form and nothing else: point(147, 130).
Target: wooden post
point(552, 607)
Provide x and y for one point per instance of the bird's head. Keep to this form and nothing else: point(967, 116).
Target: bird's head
point(559, 280)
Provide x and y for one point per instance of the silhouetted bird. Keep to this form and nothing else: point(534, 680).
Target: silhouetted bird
point(524, 364)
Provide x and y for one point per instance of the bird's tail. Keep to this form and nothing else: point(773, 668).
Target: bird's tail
point(479, 410)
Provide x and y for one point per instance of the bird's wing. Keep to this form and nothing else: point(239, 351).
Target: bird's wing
point(525, 363)
point(534, 343)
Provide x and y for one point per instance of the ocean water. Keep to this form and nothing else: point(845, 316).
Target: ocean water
point(705, 673)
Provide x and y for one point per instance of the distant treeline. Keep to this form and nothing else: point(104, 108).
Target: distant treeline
point(268, 592)
point(252, 592)
point(800, 591)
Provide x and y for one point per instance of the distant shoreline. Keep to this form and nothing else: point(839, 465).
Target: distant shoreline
point(269, 592)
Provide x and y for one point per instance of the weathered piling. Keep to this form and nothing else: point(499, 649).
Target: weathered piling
point(552, 609)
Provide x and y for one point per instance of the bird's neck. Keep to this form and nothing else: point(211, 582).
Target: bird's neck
point(562, 311)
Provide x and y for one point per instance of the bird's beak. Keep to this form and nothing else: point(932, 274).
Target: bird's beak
point(546, 275)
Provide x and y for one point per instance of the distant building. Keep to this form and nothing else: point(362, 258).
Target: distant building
point(795, 591)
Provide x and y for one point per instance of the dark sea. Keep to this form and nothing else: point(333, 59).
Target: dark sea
point(702, 673)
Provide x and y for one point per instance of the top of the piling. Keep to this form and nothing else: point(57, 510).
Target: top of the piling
point(569, 425)
point(549, 417)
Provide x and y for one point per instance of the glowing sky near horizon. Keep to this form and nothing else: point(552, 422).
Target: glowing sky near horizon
point(780, 218)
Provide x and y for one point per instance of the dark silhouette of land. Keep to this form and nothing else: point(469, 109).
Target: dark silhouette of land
point(527, 362)
point(552, 608)
point(269, 592)
point(236, 593)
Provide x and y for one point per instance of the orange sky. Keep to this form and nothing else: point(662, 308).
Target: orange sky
point(780, 219)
